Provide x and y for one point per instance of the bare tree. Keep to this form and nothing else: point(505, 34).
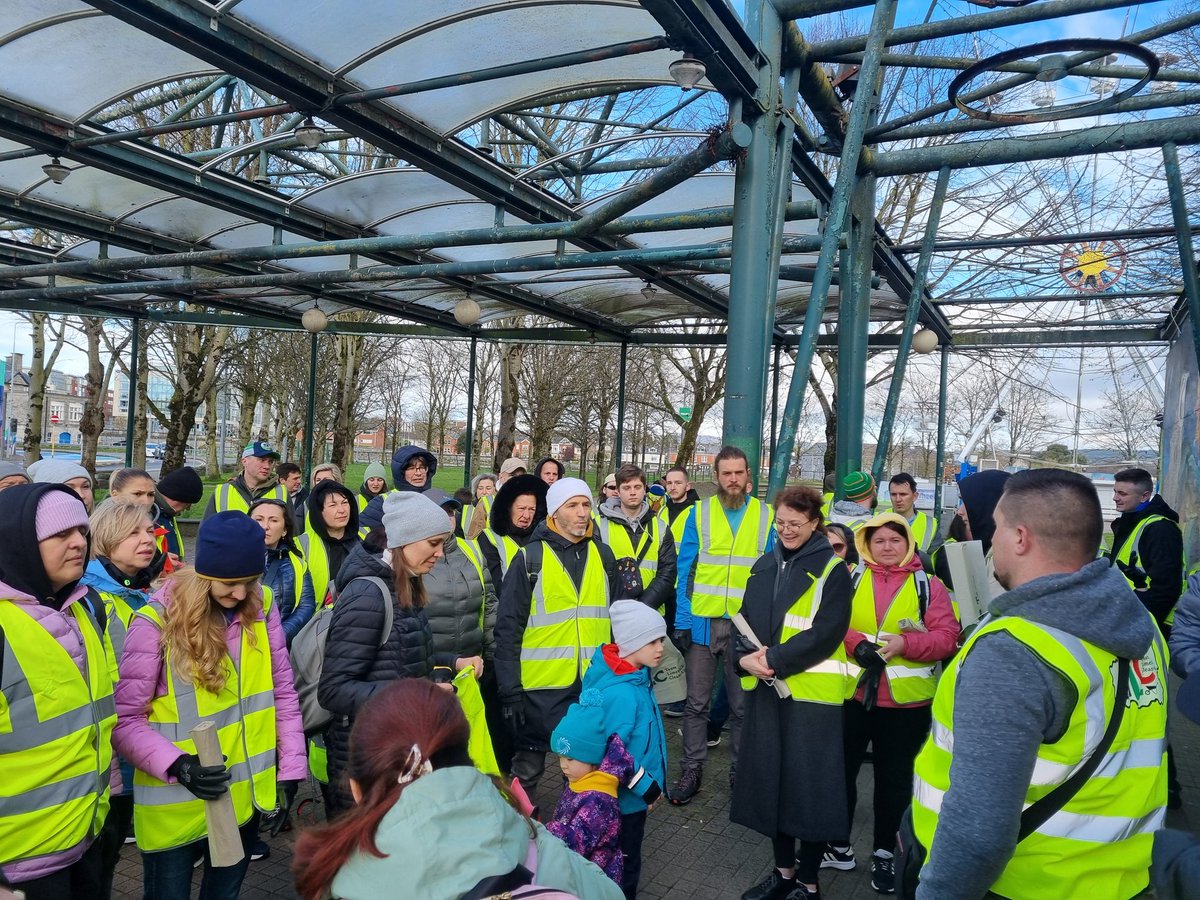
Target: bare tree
point(40, 367)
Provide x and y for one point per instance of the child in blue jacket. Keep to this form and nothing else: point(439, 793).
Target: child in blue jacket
point(619, 681)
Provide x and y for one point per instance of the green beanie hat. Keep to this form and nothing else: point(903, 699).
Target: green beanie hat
point(858, 486)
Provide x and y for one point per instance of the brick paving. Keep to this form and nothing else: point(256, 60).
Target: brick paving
point(691, 852)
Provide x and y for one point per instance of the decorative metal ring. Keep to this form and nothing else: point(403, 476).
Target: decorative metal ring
point(1095, 107)
point(1092, 267)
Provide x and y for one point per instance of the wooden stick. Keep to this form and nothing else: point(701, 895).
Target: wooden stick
point(224, 839)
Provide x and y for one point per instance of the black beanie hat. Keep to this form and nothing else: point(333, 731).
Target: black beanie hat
point(230, 546)
point(183, 485)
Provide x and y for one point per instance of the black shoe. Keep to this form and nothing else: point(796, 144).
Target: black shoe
point(835, 857)
point(883, 873)
point(687, 787)
point(773, 887)
point(674, 710)
point(259, 850)
point(800, 892)
point(713, 740)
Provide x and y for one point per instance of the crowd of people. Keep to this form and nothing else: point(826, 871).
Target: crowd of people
point(417, 654)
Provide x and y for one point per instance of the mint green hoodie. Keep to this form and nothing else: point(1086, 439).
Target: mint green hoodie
point(451, 829)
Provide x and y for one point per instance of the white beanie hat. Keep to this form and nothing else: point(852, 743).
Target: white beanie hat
point(409, 516)
point(563, 490)
point(634, 625)
point(57, 471)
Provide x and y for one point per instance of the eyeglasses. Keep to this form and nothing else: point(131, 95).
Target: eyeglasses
point(417, 467)
point(792, 526)
point(610, 487)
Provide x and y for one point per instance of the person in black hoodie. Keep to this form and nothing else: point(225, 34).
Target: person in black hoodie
point(575, 579)
point(1147, 544)
point(549, 469)
point(331, 533)
point(978, 494)
point(519, 507)
point(413, 468)
point(357, 664)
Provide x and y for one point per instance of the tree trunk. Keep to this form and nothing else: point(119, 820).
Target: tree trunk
point(96, 387)
point(506, 430)
point(248, 402)
point(212, 432)
point(140, 422)
point(39, 370)
point(197, 356)
point(349, 356)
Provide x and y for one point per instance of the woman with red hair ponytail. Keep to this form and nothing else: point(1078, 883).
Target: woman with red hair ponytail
point(425, 819)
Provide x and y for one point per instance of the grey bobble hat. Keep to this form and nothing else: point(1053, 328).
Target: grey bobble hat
point(57, 471)
point(8, 469)
point(409, 516)
point(634, 625)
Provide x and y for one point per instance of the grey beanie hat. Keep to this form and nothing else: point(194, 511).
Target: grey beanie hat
point(409, 516)
point(8, 469)
point(634, 625)
point(57, 471)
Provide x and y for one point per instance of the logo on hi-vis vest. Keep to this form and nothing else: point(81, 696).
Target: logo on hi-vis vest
point(1145, 687)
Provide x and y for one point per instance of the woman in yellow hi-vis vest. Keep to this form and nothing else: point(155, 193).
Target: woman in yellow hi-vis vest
point(207, 648)
point(901, 625)
point(56, 707)
point(797, 604)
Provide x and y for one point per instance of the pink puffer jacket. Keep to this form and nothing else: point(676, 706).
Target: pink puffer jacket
point(144, 677)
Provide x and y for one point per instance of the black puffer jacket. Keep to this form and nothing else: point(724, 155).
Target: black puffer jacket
point(356, 666)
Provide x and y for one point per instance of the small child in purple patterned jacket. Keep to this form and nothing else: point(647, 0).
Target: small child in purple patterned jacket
point(588, 818)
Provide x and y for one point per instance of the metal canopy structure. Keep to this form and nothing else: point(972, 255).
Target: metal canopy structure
point(238, 162)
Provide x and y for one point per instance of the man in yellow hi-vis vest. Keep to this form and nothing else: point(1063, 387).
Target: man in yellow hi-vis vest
point(632, 530)
point(722, 538)
point(256, 481)
point(553, 615)
point(1066, 672)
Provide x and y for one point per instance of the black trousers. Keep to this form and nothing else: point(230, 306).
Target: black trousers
point(895, 736)
point(633, 829)
point(807, 862)
point(82, 880)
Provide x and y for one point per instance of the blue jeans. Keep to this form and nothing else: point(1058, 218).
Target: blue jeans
point(167, 874)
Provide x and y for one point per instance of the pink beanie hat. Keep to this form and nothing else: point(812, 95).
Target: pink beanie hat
point(57, 512)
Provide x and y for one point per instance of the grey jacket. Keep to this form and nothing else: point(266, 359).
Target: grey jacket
point(1185, 633)
point(454, 602)
point(1006, 704)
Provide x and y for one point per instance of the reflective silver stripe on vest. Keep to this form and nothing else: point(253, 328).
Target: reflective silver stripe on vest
point(45, 796)
point(181, 731)
point(1101, 829)
point(547, 653)
point(165, 794)
point(29, 731)
point(1143, 754)
point(927, 795)
point(714, 559)
point(567, 615)
point(799, 623)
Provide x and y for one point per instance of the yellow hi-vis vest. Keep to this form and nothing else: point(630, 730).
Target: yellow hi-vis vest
point(227, 497)
point(923, 529)
point(724, 559)
point(56, 728)
point(479, 745)
point(169, 815)
point(1129, 550)
point(506, 549)
point(649, 540)
point(1099, 844)
point(565, 625)
point(829, 681)
point(909, 681)
point(120, 615)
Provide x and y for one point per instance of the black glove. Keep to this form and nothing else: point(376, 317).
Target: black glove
point(682, 638)
point(513, 713)
point(206, 782)
point(280, 818)
point(866, 654)
point(1133, 574)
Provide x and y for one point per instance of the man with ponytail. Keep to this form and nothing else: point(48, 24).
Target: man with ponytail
point(425, 821)
point(208, 647)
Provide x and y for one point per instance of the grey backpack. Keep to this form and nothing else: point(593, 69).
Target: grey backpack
point(308, 656)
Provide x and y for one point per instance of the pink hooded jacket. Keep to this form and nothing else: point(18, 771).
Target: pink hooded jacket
point(938, 643)
point(144, 677)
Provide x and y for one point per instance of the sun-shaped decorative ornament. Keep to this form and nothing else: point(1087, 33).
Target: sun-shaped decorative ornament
point(1093, 266)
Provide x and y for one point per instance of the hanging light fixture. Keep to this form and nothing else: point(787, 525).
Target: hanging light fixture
point(925, 341)
point(687, 71)
point(314, 320)
point(649, 292)
point(467, 312)
point(56, 171)
point(309, 134)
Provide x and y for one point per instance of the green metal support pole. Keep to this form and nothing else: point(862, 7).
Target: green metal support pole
point(774, 407)
point(135, 349)
point(468, 457)
point(940, 463)
point(1187, 256)
point(860, 119)
point(854, 320)
point(620, 445)
point(910, 323)
point(311, 412)
point(753, 273)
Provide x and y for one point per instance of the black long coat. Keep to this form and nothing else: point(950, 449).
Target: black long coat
point(790, 772)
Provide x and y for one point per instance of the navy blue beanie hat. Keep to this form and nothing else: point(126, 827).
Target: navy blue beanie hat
point(230, 546)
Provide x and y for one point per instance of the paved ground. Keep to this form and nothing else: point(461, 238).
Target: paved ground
point(692, 852)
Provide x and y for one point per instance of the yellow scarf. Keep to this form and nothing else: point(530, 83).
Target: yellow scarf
point(599, 781)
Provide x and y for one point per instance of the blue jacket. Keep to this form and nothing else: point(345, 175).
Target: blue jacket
point(631, 713)
point(280, 577)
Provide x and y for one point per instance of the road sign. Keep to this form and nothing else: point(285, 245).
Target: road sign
point(685, 413)
point(55, 419)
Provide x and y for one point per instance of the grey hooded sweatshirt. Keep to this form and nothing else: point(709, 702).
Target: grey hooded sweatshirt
point(1006, 704)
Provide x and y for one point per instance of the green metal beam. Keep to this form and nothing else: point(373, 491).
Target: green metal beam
point(468, 456)
point(622, 371)
point(803, 9)
point(940, 460)
point(310, 407)
point(1187, 256)
point(1053, 298)
point(1115, 337)
point(854, 321)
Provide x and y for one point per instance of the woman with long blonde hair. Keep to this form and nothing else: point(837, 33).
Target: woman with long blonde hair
point(208, 647)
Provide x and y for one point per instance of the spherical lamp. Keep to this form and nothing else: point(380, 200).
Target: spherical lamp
point(925, 341)
point(466, 312)
point(314, 321)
